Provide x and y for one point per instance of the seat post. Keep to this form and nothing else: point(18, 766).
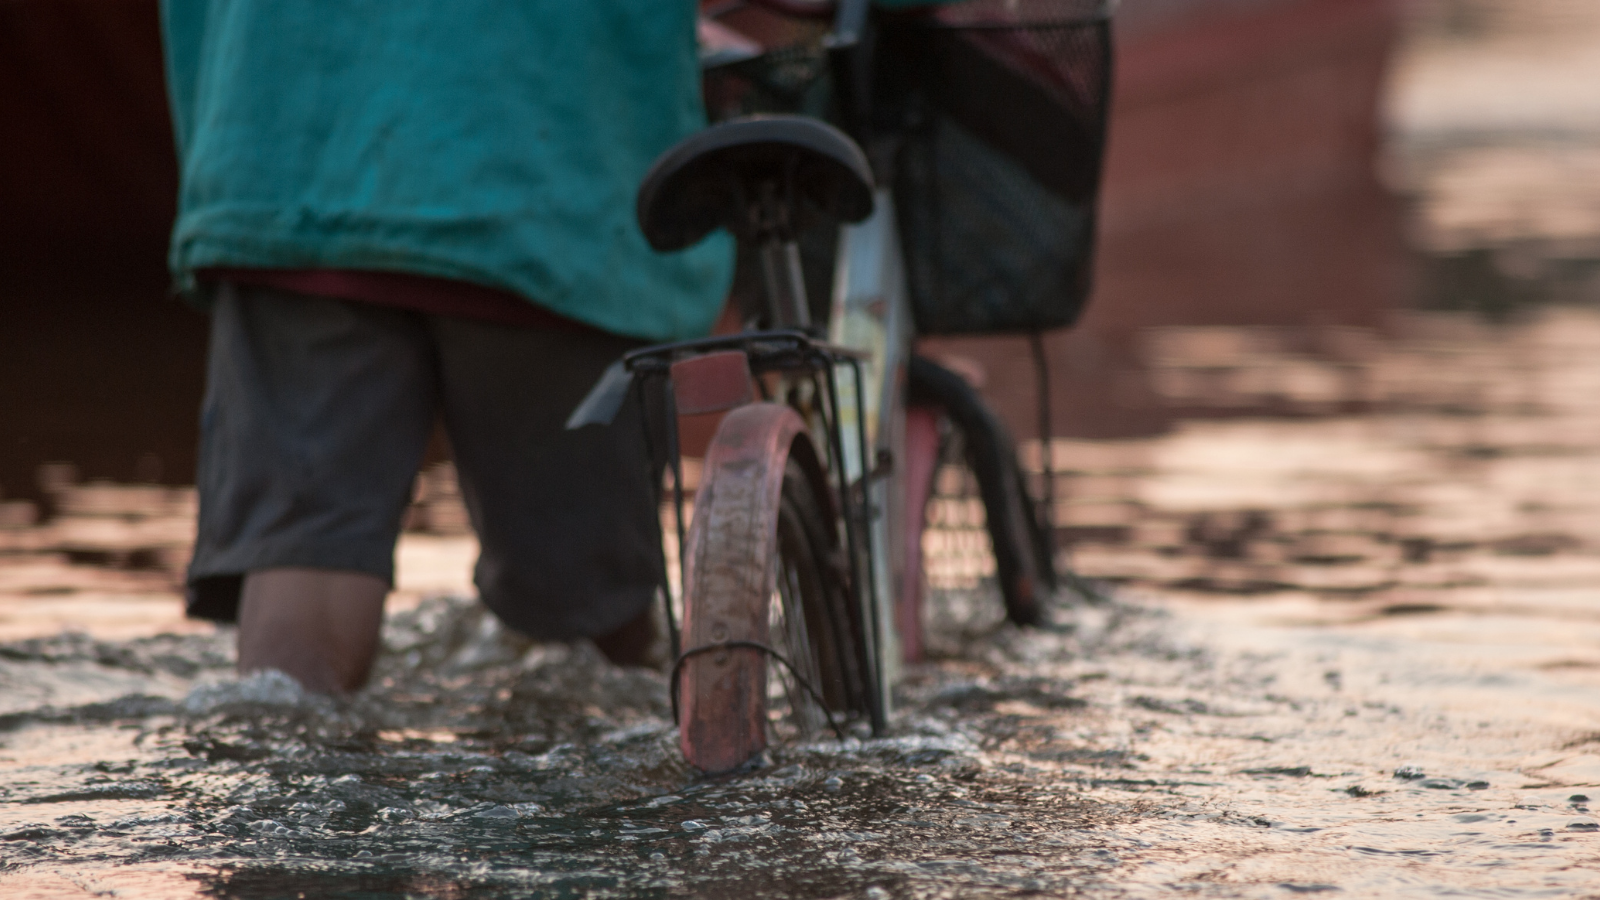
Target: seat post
point(773, 209)
point(785, 283)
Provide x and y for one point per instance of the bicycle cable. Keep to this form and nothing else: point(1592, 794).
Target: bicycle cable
point(677, 669)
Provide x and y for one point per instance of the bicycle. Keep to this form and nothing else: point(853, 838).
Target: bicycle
point(800, 576)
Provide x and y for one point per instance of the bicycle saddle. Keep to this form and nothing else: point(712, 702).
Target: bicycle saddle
point(718, 177)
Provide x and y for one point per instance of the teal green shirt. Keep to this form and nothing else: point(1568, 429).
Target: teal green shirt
point(498, 142)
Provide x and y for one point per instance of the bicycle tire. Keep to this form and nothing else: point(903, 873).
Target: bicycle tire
point(766, 570)
point(1023, 563)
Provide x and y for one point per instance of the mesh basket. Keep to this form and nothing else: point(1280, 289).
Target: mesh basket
point(1002, 108)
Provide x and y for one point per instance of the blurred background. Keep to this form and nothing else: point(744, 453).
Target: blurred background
point(1344, 342)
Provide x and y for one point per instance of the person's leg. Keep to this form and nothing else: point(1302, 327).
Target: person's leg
point(316, 415)
point(567, 521)
point(318, 626)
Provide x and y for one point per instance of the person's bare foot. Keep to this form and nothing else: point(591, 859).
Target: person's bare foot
point(318, 626)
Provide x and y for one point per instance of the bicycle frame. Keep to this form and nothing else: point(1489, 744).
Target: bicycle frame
point(871, 315)
point(832, 438)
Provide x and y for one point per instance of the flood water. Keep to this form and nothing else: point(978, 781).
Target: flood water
point(1385, 681)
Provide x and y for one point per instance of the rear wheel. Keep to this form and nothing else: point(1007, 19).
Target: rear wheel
point(773, 640)
point(811, 622)
point(978, 440)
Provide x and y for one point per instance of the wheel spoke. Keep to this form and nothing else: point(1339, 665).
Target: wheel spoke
point(794, 713)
